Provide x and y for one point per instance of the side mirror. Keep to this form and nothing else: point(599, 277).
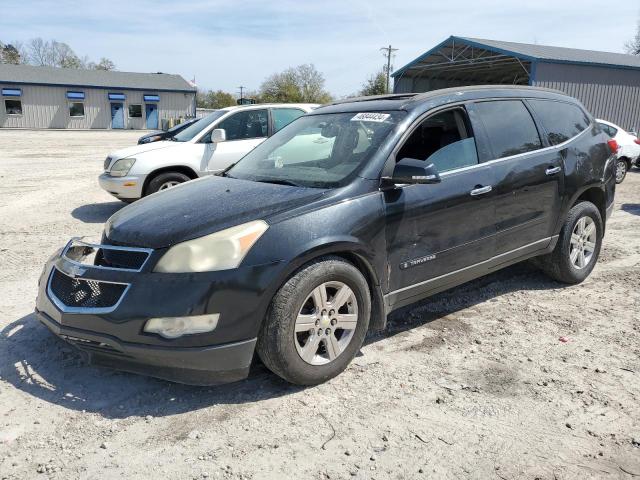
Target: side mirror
point(411, 171)
point(218, 135)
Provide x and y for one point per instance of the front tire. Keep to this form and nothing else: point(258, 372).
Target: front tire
point(576, 253)
point(164, 181)
point(316, 323)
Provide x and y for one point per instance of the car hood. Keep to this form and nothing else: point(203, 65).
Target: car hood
point(200, 207)
point(138, 149)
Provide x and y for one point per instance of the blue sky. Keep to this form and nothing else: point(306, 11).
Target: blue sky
point(224, 44)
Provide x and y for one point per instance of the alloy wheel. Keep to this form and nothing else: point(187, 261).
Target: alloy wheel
point(621, 170)
point(169, 184)
point(583, 242)
point(326, 323)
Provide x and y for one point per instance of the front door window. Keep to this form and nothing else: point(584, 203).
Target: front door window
point(444, 139)
point(246, 124)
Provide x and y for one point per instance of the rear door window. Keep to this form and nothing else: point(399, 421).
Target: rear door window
point(509, 126)
point(284, 116)
point(561, 120)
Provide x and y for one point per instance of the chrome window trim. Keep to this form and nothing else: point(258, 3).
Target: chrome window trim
point(448, 106)
point(559, 146)
point(93, 310)
point(78, 240)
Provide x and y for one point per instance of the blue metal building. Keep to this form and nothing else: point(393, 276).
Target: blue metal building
point(608, 84)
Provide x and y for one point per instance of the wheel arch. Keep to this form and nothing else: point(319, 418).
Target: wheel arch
point(188, 171)
point(595, 195)
point(359, 256)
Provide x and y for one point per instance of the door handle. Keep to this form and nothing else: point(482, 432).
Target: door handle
point(552, 170)
point(480, 190)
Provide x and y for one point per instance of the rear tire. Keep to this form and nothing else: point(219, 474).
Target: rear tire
point(309, 336)
point(578, 247)
point(165, 180)
point(621, 170)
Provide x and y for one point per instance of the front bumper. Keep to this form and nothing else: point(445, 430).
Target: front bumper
point(194, 366)
point(123, 188)
point(115, 337)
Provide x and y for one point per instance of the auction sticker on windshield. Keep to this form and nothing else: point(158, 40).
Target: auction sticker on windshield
point(370, 117)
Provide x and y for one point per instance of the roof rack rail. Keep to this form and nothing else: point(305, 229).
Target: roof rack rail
point(371, 98)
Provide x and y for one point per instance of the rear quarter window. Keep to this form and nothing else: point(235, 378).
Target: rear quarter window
point(561, 120)
point(509, 126)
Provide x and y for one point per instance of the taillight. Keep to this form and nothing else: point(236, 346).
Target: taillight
point(637, 140)
point(613, 145)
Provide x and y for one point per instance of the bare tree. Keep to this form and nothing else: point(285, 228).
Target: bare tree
point(633, 46)
point(64, 56)
point(104, 64)
point(40, 52)
point(54, 54)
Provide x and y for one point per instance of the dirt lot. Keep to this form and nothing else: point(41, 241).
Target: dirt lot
point(474, 383)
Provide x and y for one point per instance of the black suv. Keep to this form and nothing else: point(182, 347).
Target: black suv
point(348, 213)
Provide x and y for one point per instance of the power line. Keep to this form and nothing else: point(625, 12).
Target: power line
point(388, 51)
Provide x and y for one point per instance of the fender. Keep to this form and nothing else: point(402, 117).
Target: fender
point(351, 250)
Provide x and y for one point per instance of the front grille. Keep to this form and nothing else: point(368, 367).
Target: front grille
point(107, 162)
point(129, 259)
point(106, 256)
point(80, 293)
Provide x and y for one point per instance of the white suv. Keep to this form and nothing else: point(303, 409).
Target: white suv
point(628, 148)
point(207, 147)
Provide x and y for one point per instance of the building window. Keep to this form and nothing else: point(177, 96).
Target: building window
point(13, 107)
point(76, 109)
point(135, 111)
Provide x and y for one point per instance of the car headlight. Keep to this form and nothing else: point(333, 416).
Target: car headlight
point(222, 250)
point(122, 167)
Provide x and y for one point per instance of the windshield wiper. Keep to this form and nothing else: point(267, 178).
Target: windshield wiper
point(278, 181)
point(224, 172)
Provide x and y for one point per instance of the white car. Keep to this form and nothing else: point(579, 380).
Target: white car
point(207, 147)
point(628, 148)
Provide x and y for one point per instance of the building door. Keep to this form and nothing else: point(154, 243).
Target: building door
point(152, 116)
point(117, 115)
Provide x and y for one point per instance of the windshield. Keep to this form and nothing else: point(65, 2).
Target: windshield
point(324, 151)
point(182, 125)
point(195, 128)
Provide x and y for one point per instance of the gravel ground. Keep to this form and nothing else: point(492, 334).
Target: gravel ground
point(474, 383)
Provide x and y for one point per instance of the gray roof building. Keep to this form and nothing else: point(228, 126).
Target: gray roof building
point(608, 84)
point(48, 97)
point(71, 77)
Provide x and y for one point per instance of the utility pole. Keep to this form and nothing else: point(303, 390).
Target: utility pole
point(241, 97)
point(388, 51)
